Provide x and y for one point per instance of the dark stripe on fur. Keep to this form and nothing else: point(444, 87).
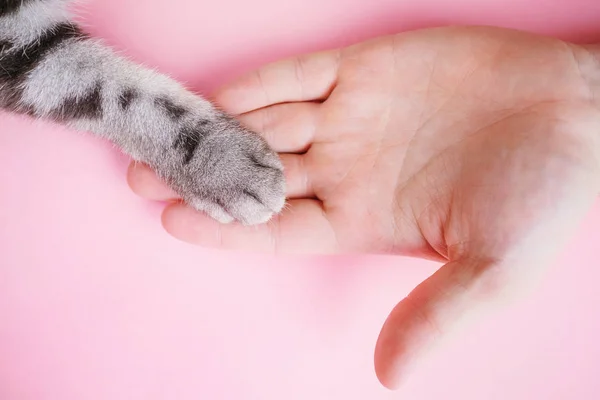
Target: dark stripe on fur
point(221, 204)
point(5, 45)
point(252, 195)
point(15, 65)
point(11, 6)
point(88, 106)
point(126, 98)
point(189, 139)
point(174, 111)
point(18, 63)
point(256, 162)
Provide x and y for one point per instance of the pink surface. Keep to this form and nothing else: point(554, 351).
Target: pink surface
point(97, 302)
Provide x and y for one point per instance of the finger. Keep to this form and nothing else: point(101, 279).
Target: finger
point(144, 182)
point(297, 177)
point(288, 128)
point(301, 228)
point(433, 311)
point(304, 78)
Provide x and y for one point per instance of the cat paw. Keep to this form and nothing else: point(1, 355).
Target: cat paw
point(226, 171)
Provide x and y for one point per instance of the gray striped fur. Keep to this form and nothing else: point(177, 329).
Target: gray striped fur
point(50, 69)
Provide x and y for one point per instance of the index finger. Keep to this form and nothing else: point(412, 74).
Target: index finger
point(304, 78)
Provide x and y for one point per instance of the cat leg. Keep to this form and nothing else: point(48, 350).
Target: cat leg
point(50, 69)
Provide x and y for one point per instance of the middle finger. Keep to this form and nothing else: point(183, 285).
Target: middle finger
point(288, 128)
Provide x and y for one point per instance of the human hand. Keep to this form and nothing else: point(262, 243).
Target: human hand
point(476, 147)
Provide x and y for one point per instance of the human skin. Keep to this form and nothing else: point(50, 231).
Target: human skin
point(477, 147)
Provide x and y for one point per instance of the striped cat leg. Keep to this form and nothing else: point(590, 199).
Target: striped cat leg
point(49, 69)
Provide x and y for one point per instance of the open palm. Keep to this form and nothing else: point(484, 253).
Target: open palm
point(477, 147)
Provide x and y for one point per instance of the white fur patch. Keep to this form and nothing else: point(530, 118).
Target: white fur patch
point(33, 19)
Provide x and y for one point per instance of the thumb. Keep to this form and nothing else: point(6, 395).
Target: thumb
point(470, 283)
point(432, 312)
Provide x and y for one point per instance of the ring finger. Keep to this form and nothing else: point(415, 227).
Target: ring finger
point(288, 128)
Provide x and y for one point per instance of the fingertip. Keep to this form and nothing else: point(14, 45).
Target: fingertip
point(169, 219)
point(143, 181)
point(190, 226)
point(223, 99)
point(241, 95)
point(388, 356)
point(382, 368)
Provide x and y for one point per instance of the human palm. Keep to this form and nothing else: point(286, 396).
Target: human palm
point(476, 147)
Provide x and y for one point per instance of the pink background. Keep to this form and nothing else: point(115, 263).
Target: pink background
point(97, 302)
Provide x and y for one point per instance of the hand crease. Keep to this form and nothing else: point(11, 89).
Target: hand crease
point(581, 74)
point(259, 76)
point(299, 72)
